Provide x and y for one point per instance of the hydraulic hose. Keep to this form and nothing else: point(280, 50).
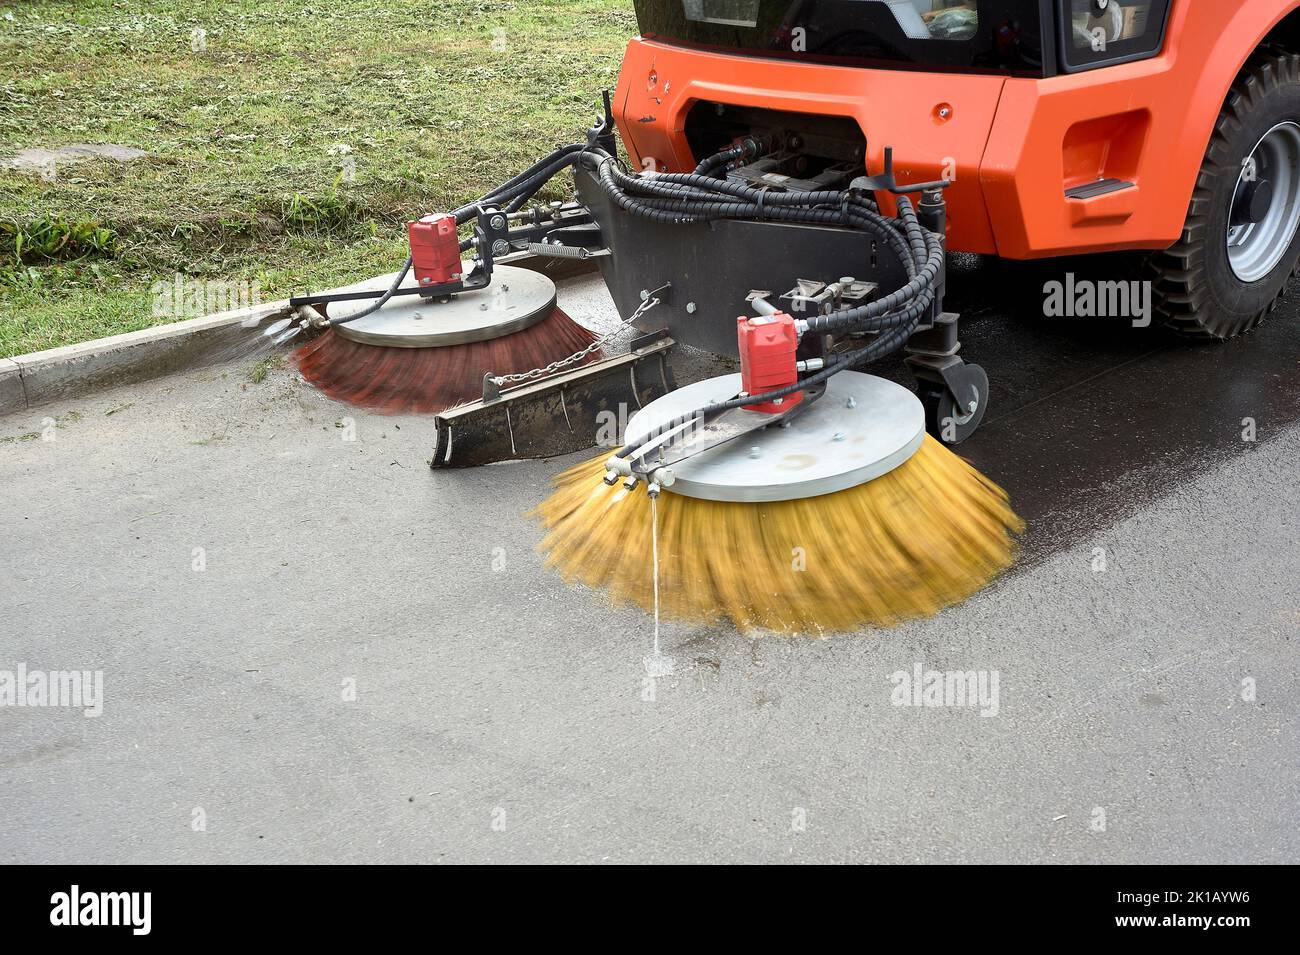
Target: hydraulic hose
point(685, 198)
point(700, 196)
point(676, 198)
point(888, 343)
point(750, 148)
point(545, 169)
point(526, 185)
point(380, 302)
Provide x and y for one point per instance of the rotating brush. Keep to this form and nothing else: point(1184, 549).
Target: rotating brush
point(924, 536)
point(423, 339)
point(800, 495)
point(806, 506)
point(404, 380)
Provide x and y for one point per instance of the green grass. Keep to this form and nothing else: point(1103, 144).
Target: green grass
point(286, 150)
point(258, 372)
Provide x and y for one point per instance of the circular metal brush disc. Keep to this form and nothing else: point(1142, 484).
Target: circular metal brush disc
point(861, 428)
point(516, 299)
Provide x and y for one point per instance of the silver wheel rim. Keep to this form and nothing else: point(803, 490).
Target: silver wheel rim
point(1256, 248)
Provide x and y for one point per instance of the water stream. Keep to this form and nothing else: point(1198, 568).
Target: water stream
point(656, 665)
point(654, 557)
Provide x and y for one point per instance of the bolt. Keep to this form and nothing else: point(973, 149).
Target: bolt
point(645, 295)
point(500, 247)
point(839, 436)
point(945, 112)
point(755, 452)
point(498, 223)
point(691, 308)
point(974, 406)
point(851, 403)
point(426, 280)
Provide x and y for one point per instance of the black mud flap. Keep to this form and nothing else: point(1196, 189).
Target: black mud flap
point(557, 415)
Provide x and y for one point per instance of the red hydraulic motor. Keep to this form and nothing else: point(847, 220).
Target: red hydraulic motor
point(768, 344)
point(435, 250)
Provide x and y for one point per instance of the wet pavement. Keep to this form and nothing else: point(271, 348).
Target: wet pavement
point(315, 649)
point(1092, 420)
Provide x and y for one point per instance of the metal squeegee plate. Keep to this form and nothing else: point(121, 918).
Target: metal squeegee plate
point(861, 428)
point(516, 299)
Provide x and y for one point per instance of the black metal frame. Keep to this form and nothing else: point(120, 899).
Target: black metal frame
point(712, 265)
point(698, 306)
point(554, 415)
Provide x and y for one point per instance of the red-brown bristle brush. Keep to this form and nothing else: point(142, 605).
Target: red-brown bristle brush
point(430, 380)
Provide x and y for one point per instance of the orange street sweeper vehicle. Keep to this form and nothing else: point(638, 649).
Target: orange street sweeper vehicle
point(797, 158)
point(793, 173)
point(1065, 126)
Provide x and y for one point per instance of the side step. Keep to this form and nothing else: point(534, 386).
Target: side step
point(1102, 187)
point(556, 415)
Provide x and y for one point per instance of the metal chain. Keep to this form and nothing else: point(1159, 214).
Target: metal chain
point(599, 343)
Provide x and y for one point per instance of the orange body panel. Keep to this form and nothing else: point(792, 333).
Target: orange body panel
point(660, 83)
point(1012, 146)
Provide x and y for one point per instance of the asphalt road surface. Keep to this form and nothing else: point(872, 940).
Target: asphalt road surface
point(316, 649)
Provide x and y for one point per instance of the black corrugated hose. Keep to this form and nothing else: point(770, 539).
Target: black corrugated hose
point(518, 190)
point(683, 198)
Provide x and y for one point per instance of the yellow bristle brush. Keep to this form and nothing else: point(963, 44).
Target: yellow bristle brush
point(902, 527)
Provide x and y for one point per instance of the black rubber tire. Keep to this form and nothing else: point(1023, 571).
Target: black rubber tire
point(1196, 292)
point(941, 408)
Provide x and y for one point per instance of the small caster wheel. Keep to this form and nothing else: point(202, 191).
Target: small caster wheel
point(944, 419)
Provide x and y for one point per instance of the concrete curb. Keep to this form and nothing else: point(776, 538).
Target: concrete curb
point(12, 397)
point(73, 370)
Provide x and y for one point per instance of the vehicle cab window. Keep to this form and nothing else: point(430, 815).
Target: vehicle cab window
point(995, 36)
